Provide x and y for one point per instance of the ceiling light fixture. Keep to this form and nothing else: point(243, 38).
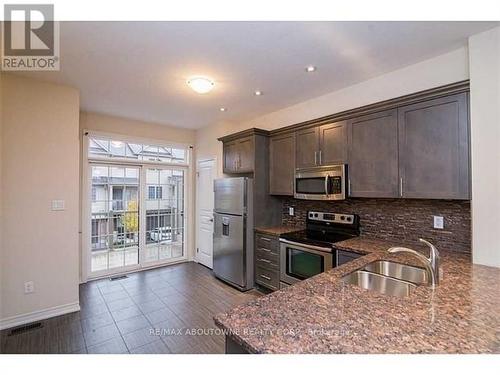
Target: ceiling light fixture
point(222, 109)
point(258, 93)
point(201, 85)
point(310, 69)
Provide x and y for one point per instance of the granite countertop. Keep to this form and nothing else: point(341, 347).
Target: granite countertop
point(322, 315)
point(277, 230)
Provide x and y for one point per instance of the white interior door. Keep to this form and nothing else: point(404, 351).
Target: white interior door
point(205, 218)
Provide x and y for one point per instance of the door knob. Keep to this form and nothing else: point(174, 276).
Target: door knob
point(211, 220)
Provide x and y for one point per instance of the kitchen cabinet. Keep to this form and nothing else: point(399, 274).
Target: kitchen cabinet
point(245, 150)
point(267, 263)
point(321, 145)
point(247, 153)
point(373, 155)
point(230, 156)
point(434, 148)
point(332, 143)
point(238, 155)
point(282, 164)
point(307, 146)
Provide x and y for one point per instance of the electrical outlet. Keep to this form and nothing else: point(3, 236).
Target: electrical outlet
point(438, 222)
point(58, 205)
point(29, 287)
point(291, 211)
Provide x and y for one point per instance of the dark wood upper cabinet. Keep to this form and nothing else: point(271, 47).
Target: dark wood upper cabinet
point(239, 155)
point(333, 143)
point(434, 148)
point(245, 150)
point(373, 155)
point(307, 147)
point(230, 155)
point(282, 164)
point(321, 145)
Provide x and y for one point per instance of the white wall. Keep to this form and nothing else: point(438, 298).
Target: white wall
point(40, 162)
point(484, 54)
point(438, 71)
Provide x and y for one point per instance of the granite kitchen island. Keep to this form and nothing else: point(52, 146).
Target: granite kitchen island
point(324, 315)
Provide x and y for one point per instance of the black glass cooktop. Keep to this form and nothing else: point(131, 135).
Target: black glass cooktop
point(316, 238)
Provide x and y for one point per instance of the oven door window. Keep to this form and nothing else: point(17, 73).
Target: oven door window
point(310, 185)
point(301, 264)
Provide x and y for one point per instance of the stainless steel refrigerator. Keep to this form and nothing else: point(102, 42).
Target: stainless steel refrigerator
point(233, 231)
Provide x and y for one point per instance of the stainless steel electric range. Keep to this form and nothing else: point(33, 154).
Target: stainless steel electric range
point(309, 252)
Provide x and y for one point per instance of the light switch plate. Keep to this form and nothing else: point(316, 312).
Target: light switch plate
point(57, 205)
point(438, 222)
point(291, 211)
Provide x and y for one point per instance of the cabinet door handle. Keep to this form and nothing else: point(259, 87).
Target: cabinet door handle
point(349, 188)
point(265, 277)
point(401, 186)
point(315, 157)
point(320, 154)
point(264, 260)
point(264, 249)
point(265, 239)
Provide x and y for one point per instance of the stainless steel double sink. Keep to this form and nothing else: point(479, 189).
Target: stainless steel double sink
point(390, 278)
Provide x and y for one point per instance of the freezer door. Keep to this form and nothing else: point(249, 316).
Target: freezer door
point(229, 250)
point(230, 195)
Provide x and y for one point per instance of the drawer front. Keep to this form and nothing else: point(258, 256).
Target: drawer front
point(266, 259)
point(268, 278)
point(267, 242)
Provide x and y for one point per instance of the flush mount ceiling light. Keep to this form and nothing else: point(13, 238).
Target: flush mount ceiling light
point(222, 109)
point(310, 69)
point(258, 93)
point(201, 85)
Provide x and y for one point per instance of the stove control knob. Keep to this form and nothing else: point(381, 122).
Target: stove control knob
point(342, 218)
point(349, 218)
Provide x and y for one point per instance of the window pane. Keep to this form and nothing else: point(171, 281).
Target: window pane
point(112, 148)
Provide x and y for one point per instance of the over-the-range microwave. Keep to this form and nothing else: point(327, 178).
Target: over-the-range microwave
point(321, 183)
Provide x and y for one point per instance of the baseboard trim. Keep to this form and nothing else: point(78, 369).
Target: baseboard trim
point(35, 316)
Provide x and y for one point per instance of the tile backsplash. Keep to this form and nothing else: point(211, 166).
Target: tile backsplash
point(404, 220)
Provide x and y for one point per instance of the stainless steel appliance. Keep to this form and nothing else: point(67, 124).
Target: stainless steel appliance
point(325, 183)
point(309, 252)
point(233, 231)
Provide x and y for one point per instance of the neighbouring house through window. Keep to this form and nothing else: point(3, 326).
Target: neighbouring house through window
point(155, 192)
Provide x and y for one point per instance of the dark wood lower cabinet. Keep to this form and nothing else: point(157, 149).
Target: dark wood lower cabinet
point(267, 263)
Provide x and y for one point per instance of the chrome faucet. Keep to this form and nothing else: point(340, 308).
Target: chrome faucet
point(431, 263)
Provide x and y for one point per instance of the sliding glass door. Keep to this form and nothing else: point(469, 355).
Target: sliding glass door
point(164, 206)
point(114, 217)
point(135, 199)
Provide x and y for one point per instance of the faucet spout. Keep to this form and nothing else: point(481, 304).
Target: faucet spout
point(431, 263)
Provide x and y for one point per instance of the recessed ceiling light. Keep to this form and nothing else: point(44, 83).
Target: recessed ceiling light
point(201, 85)
point(258, 93)
point(222, 109)
point(310, 69)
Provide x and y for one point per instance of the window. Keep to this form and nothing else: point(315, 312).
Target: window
point(103, 148)
point(155, 192)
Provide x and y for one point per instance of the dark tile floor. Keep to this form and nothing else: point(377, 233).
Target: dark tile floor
point(152, 311)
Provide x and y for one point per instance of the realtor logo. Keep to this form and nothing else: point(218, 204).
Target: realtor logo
point(30, 39)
